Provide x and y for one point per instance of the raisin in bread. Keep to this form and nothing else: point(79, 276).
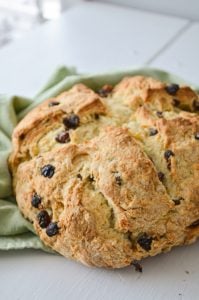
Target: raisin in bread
point(112, 176)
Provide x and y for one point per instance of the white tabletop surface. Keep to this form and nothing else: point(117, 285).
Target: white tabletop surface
point(98, 37)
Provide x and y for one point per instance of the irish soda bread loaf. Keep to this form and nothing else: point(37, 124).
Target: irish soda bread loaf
point(111, 176)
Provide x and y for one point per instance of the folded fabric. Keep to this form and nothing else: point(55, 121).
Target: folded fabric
point(15, 231)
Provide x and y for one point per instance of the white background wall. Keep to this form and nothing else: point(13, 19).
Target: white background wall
point(181, 8)
point(67, 3)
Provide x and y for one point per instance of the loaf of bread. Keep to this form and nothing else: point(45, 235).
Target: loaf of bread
point(111, 176)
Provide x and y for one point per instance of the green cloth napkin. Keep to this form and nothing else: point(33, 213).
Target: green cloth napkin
point(15, 231)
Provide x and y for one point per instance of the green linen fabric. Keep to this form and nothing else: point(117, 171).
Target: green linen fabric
point(15, 231)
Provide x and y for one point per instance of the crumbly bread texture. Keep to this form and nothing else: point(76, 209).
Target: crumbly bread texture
point(112, 176)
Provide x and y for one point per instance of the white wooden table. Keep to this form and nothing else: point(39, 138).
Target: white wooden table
point(97, 37)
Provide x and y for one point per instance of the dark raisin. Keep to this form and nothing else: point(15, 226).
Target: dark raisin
point(118, 179)
point(194, 224)
point(176, 102)
point(48, 171)
point(172, 89)
point(36, 200)
point(168, 154)
point(96, 116)
point(22, 136)
point(91, 178)
point(43, 218)
point(52, 229)
point(152, 131)
point(138, 267)
point(71, 122)
point(196, 105)
point(63, 137)
point(79, 176)
point(197, 135)
point(105, 90)
point(53, 103)
point(145, 242)
point(161, 176)
point(178, 200)
point(159, 114)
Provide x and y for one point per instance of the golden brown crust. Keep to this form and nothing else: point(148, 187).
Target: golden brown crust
point(79, 100)
point(124, 174)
